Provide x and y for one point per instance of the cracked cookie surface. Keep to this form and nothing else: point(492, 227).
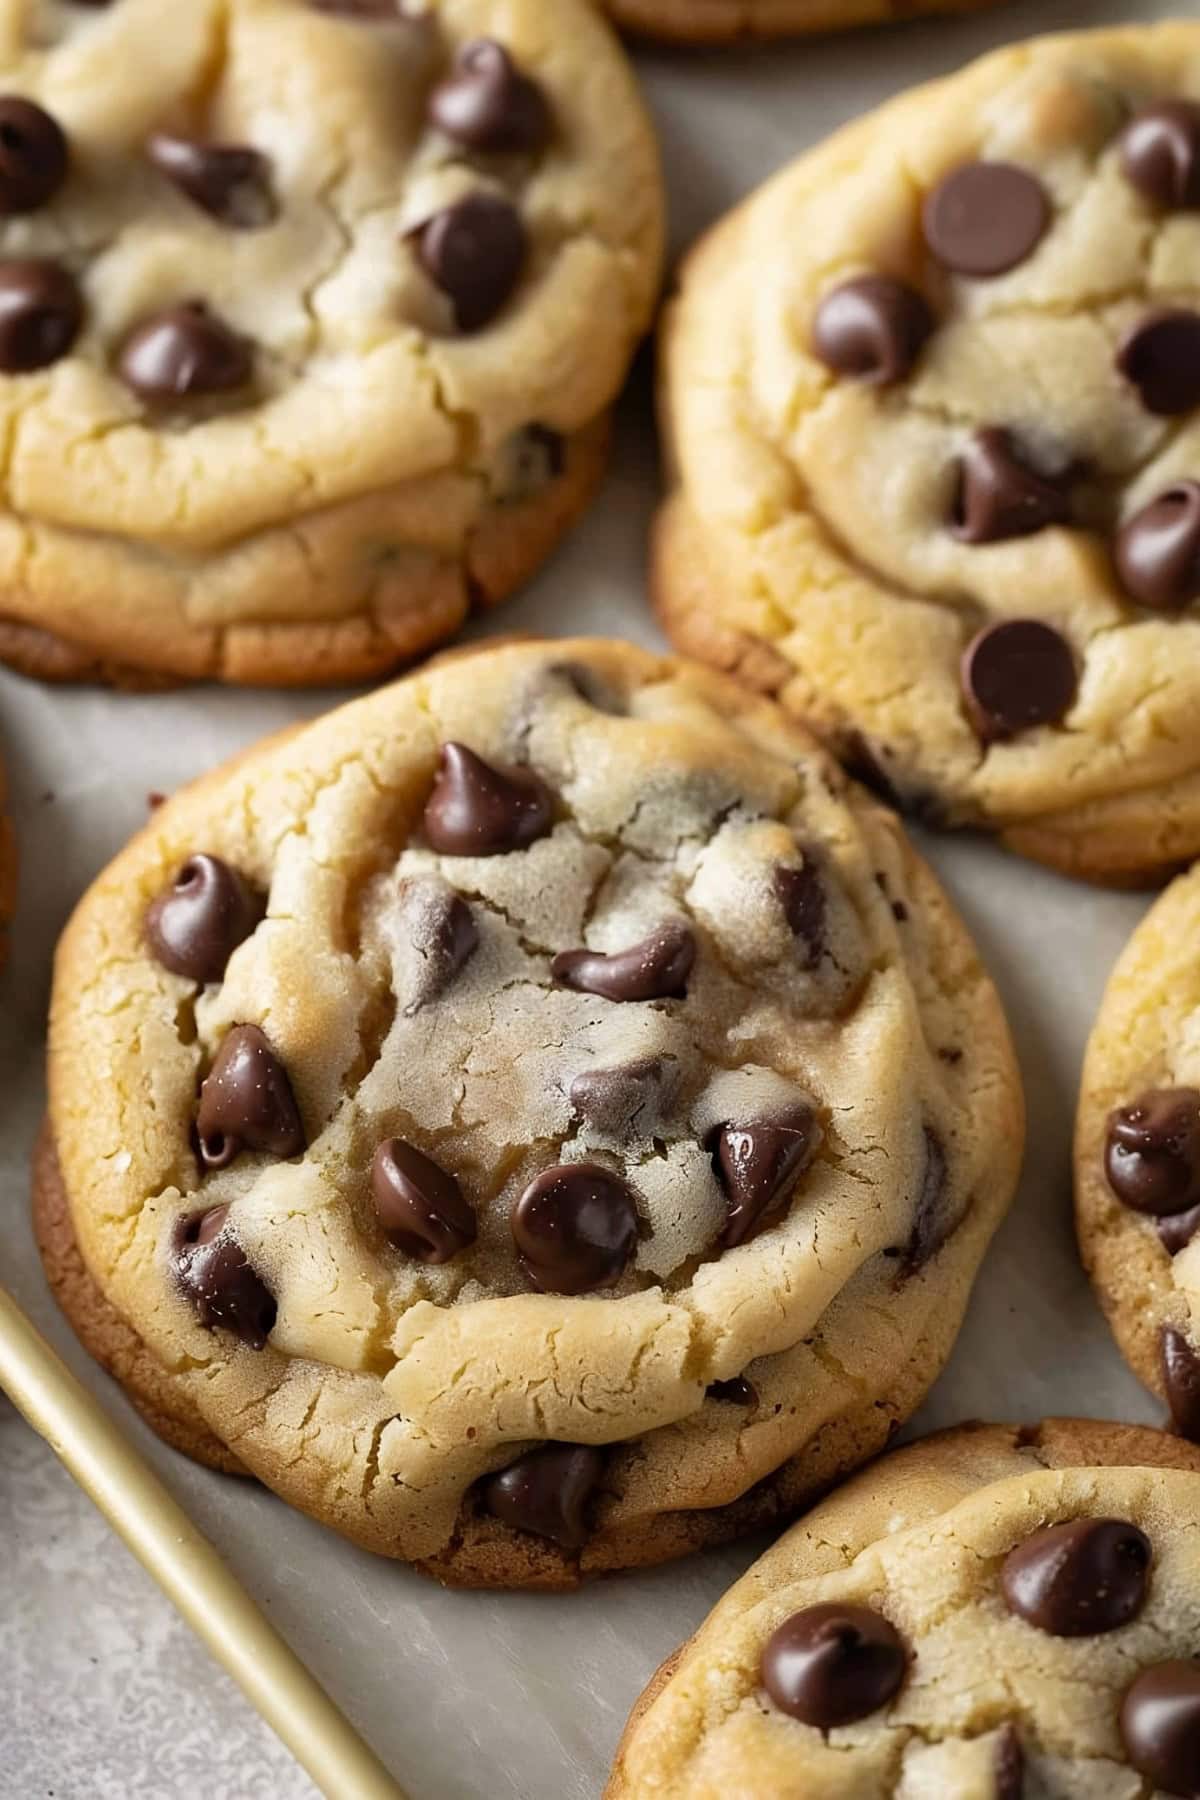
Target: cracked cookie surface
point(719, 21)
point(311, 317)
point(992, 1613)
point(543, 1117)
point(931, 398)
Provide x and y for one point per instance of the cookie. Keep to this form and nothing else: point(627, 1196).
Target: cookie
point(719, 21)
point(8, 873)
point(1137, 1154)
point(312, 314)
point(931, 400)
point(540, 1118)
point(992, 1613)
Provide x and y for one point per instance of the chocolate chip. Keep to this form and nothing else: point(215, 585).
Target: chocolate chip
point(476, 809)
point(41, 313)
point(872, 328)
point(758, 1163)
point(486, 102)
point(1181, 1378)
point(420, 1206)
point(613, 1100)
point(1160, 154)
point(1017, 674)
point(575, 1228)
point(444, 935)
point(1160, 356)
point(530, 459)
point(33, 155)
point(801, 893)
point(985, 217)
point(230, 181)
point(1079, 1579)
point(474, 252)
point(1008, 1763)
point(1157, 551)
point(1177, 1232)
point(214, 1273)
point(198, 923)
point(737, 1391)
point(657, 968)
point(184, 351)
point(931, 1221)
point(247, 1103)
point(366, 10)
point(547, 1492)
point(1152, 1152)
point(833, 1664)
point(1160, 1726)
point(999, 496)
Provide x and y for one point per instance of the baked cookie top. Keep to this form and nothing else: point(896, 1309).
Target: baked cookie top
point(504, 1060)
point(992, 1613)
point(933, 395)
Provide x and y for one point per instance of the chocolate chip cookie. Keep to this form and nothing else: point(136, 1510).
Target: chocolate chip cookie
point(312, 313)
point(992, 1613)
point(719, 21)
point(932, 398)
point(540, 1118)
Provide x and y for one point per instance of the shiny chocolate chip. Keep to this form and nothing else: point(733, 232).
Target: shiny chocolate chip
point(213, 1271)
point(833, 1664)
point(443, 934)
point(758, 1163)
point(548, 1492)
point(1157, 551)
point(801, 893)
point(33, 155)
point(1177, 1231)
point(41, 314)
point(1152, 1152)
point(1008, 1764)
point(1160, 154)
point(1160, 356)
point(985, 217)
point(575, 1228)
point(476, 809)
point(419, 1205)
point(872, 328)
point(474, 251)
point(246, 1102)
point(182, 352)
point(737, 1391)
point(1017, 674)
point(1000, 496)
point(1181, 1379)
point(198, 922)
point(615, 1100)
point(229, 181)
point(487, 103)
point(931, 1220)
point(1079, 1579)
point(1160, 1726)
point(657, 968)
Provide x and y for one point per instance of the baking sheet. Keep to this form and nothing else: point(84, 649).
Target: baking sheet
point(509, 1696)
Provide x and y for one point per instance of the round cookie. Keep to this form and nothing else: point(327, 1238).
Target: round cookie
point(719, 21)
point(541, 1118)
point(932, 404)
point(1137, 1153)
point(312, 313)
point(993, 1613)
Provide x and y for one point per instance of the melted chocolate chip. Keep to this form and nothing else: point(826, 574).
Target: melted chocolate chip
point(1152, 1152)
point(33, 155)
point(831, 1665)
point(476, 809)
point(1157, 551)
point(985, 217)
point(1008, 1762)
point(474, 251)
point(614, 1100)
point(758, 1164)
point(1160, 154)
point(872, 328)
point(230, 181)
point(737, 1391)
point(575, 1228)
point(214, 1273)
point(656, 969)
point(801, 893)
point(1000, 496)
point(1079, 1579)
point(1160, 1726)
point(931, 1222)
point(1181, 1378)
point(1160, 357)
point(41, 313)
point(547, 1492)
point(246, 1102)
point(420, 1206)
point(1176, 1233)
point(487, 103)
point(197, 924)
point(184, 351)
point(444, 935)
point(1017, 674)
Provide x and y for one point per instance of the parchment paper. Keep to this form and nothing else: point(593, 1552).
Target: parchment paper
point(520, 1696)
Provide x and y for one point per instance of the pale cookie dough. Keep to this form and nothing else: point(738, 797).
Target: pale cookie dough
point(932, 405)
point(718, 21)
point(1137, 1152)
point(588, 1154)
point(957, 1655)
point(312, 313)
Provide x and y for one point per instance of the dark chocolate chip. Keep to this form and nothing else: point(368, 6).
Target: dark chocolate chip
point(230, 181)
point(487, 103)
point(758, 1164)
point(931, 1220)
point(547, 1492)
point(872, 328)
point(444, 935)
point(530, 460)
point(198, 923)
point(1177, 1232)
point(614, 1099)
point(214, 1273)
point(1079, 1579)
point(575, 1228)
point(184, 351)
point(1157, 551)
point(833, 1664)
point(1181, 1378)
point(41, 313)
point(985, 217)
point(1017, 674)
point(801, 893)
point(999, 496)
point(246, 1102)
point(1008, 1763)
point(33, 155)
point(1152, 1152)
point(474, 252)
point(369, 11)
point(737, 1391)
point(655, 969)
point(1160, 357)
point(1160, 154)
point(1160, 1726)
point(476, 809)
point(420, 1206)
